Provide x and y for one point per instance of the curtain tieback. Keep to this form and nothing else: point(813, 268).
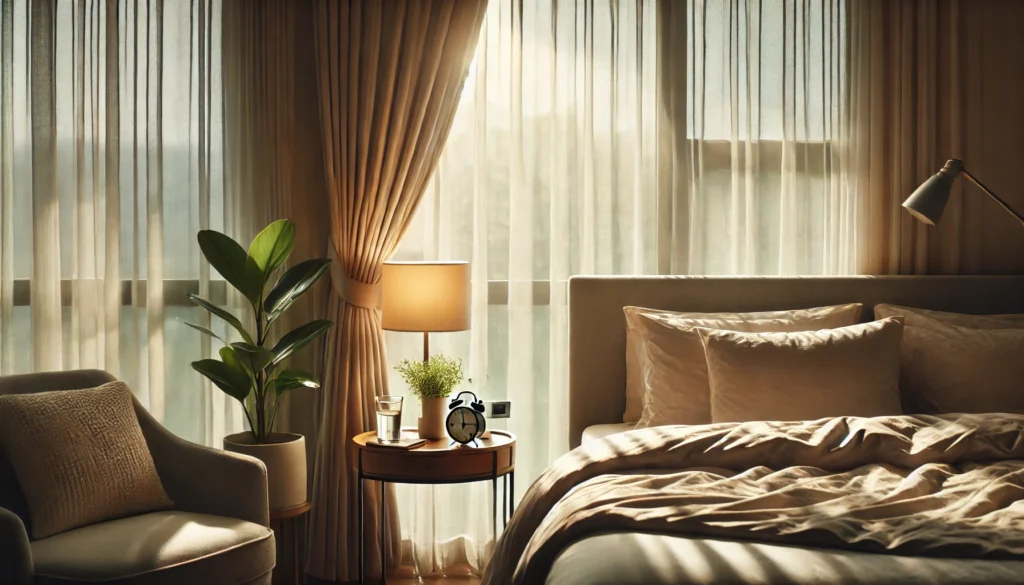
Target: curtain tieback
point(352, 291)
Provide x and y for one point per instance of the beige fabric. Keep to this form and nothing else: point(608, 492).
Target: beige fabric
point(592, 433)
point(750, 174)
point(923, 318)
point(232, 486)
point(161, 547)
point(665, 362)
point(945, 486)
point(597, 333)
point(929, 81)
point(848, 371)
point(390, 76)
point(115, 162)
point(631, 558)
point(274, 165)
point(79, 456)
point(946, 369)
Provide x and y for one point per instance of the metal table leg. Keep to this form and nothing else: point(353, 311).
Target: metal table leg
point(504, 502)
point(362, 534)
point(383, 534)
point(512, 494)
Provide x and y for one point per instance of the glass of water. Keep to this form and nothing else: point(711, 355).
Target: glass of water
point(389, 419)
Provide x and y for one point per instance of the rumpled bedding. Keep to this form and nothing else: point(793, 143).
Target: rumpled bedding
point(950, 485)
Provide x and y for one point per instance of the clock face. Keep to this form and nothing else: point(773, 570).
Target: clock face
point(464, 424)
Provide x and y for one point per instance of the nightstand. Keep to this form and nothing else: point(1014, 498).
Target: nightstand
point(436, 462)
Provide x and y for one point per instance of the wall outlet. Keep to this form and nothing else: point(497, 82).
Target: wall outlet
point(499, 409)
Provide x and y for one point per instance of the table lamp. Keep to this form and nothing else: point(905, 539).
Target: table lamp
point(425, 297)
point(929, 200)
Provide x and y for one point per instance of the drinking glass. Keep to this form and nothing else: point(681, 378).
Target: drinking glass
point(389, 419)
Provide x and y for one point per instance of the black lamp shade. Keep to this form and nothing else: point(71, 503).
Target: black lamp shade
point(929, 200)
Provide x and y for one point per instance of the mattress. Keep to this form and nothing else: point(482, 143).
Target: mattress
point(653, 559)
point(600, 431)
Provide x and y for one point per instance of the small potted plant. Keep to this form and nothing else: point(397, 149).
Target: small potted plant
point(432, 381)
point(253, 371)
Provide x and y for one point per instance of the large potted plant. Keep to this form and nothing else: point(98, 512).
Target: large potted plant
point(432, 381)
point(253, 370)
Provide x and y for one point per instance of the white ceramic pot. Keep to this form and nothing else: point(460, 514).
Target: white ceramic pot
point(432, 413)
point(285, 458)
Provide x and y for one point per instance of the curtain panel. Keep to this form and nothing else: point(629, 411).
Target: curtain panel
point(111, 150)
point(619, 137)
point(390, 75)
point(274, 159)
point(933, 80)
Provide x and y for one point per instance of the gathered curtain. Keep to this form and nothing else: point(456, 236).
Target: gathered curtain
point(111, 160)
point(389, 75)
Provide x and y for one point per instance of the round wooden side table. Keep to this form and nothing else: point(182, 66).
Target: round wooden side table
point(286, 524)
point(436, 462)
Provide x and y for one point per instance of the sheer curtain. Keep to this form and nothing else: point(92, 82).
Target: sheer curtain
point(110, 142)
point(619, 137)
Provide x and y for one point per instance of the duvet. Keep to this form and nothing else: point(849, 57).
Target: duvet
point(950, 485)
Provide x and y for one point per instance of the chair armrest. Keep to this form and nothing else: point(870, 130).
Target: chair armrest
point(16, 565)
point(204, 480)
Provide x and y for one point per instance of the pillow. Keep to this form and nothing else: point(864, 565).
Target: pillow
point(666, 373)
point(849, 371)
point(79, 456)
point(922, 317)
point(950, 369)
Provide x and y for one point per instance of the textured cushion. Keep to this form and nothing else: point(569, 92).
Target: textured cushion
point(665, 366)
point(849, 371)
point(913, 317)
point(948, 369)
point(79, 456)
point(161, 547)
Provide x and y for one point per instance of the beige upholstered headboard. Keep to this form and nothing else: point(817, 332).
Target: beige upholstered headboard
point(597, 335)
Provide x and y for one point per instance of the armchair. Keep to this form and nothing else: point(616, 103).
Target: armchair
point(217, 532)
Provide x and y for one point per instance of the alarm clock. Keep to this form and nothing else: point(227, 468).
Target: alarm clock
point(465, 424)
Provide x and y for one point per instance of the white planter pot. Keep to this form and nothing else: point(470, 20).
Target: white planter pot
point(285, 459)
point(431, 423)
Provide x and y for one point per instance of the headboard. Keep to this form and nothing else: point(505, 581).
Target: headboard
point(597, 329)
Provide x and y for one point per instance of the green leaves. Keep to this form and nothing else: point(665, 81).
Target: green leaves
point(231, 261)
point(253, 357)
point(234, 383)
point(291, 379)
point(202, 329)
point(298, 338)
point(434, 378)
point(245, 371)
point(294, 283)
point(223, 314)
point(272, 246)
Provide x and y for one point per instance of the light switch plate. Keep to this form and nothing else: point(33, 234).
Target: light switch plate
point(499, 409)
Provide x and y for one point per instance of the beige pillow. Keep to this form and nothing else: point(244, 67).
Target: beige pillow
point(666, 373)
point(949, 369)
point(79, 456)
point(922, 317)
point(849, 371)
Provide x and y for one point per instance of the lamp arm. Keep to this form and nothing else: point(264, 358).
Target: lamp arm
point(997, 199)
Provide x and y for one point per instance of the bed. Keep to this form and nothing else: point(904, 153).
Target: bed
point(604, 552)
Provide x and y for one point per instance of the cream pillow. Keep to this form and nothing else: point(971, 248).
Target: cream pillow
point(922, 317)
point(666, 373)
point(849, 371)
point(79, 457)
point(950, 369)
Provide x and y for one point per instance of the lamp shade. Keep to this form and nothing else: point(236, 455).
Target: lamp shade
point(425, 296)
point(929, 200)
